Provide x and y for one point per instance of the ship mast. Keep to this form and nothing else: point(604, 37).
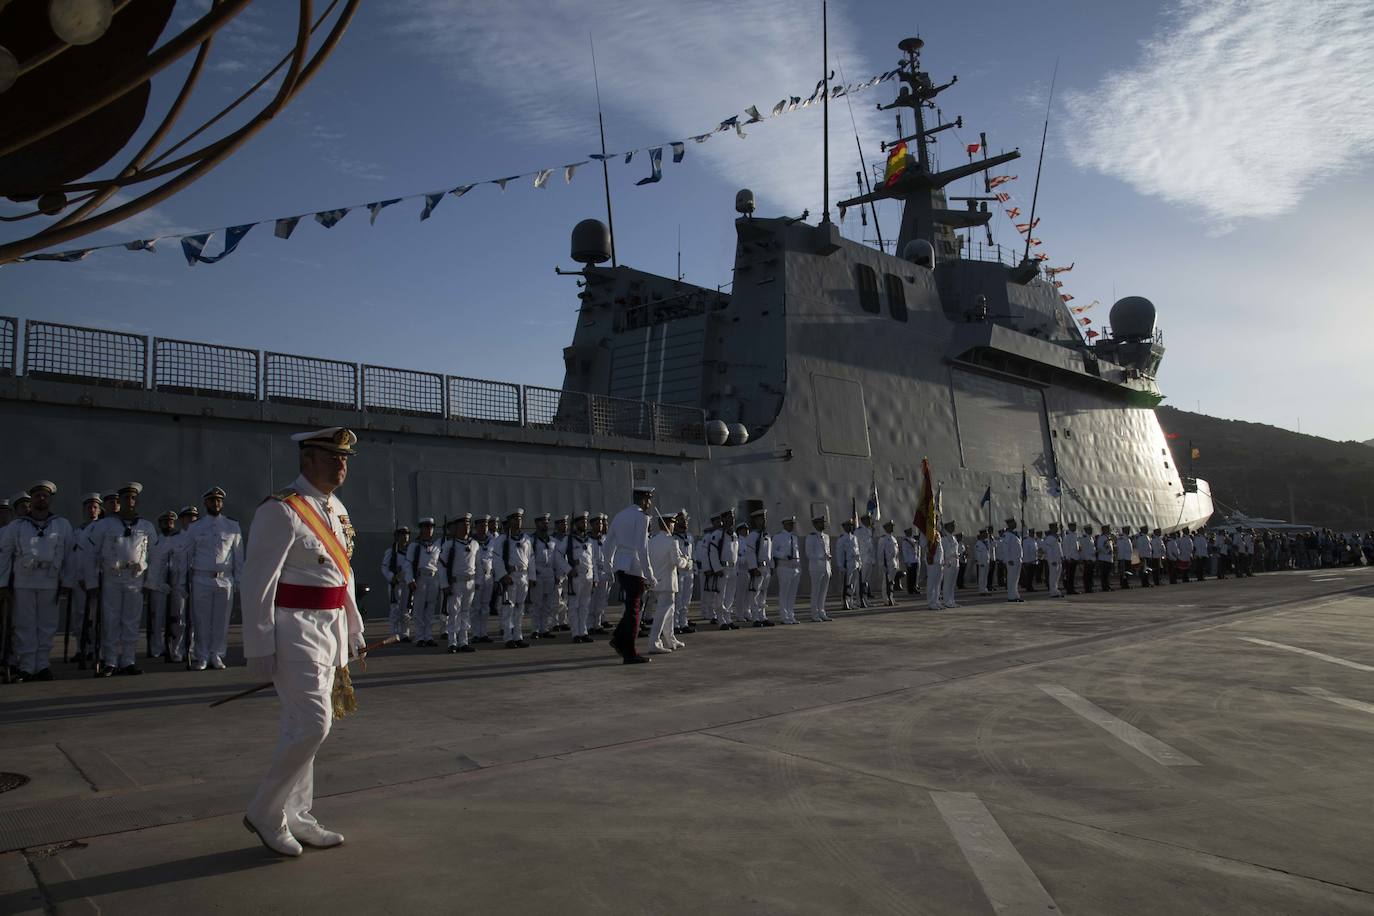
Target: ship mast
point(921, 189)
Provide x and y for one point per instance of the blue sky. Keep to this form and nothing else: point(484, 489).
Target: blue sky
point(1208, 156)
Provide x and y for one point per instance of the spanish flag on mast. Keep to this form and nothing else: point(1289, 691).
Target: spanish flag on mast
point(897, 161)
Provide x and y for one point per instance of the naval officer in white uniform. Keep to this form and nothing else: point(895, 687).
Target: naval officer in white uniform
point(300, 623)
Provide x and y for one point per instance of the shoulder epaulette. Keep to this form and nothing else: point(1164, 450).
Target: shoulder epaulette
point(282, 495)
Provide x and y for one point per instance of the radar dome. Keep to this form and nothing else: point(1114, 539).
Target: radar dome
point(591, 242)
point(920, 251)
point(739, 434)
point(744, 201)
point(1133, 318)
point(717, 433)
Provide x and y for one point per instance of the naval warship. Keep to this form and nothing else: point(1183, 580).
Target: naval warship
point(828, 371)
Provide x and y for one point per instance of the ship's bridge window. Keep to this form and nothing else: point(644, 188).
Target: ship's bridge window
point(867, 282)
point(896, 296)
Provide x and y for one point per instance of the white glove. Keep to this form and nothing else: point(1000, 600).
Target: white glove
point(651, 583)
point(262, 666)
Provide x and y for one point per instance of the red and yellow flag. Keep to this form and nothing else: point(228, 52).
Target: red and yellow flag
point(897, 161)
point(927, 512)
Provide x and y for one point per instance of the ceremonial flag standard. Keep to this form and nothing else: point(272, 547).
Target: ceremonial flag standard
point(926, 520)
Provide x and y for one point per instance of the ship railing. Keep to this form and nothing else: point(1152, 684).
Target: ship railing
point(120, 359)
point(9, 344)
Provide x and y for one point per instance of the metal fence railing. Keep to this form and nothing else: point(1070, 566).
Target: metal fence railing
point(403, 391)
point(187, 367)
point(484, 401)
point(9, 344)
point(556, 409)
point(291, 379)
point(92, 356)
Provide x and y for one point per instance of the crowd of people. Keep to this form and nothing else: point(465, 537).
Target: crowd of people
point(483, 580)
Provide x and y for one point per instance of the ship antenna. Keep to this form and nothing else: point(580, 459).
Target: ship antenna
point(1035, 195)
point(863, 163)
point(605, 173)
point(825, 106)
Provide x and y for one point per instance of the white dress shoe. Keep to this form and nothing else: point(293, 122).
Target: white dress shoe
point(659, 650)
point(316, 837)
point(217, 663)
point(197, 665)
point(279, 841)
point(679, 644)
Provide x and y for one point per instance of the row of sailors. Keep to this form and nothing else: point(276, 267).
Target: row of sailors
point(118, 569)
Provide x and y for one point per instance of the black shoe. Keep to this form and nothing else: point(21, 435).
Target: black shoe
point(726, 626)
point(617, 646)
point(599, 631)
point(521, 644)
point(690, 628)
point(482, 639)
point(758, 623)
point(765, 623)
point(131, 669)
point(405, 639)
point(635, 660)
point(510, 644)
point(566, 628)
point(464, 648)
point(551, 635)
point(19, 677)
point(536, 635)
point(44, 675)
point(452, 650)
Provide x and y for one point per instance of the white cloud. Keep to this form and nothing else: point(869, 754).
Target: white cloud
point(677, 67)
point(1236, 106)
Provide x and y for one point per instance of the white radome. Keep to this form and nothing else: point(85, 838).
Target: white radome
point(80, 22)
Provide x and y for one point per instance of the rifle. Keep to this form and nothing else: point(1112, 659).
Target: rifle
point(84, 641)
point(190, 629)
point(362, 653)
point(6, 602)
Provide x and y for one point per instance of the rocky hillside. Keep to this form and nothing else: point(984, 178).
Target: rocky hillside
point(1269, 472)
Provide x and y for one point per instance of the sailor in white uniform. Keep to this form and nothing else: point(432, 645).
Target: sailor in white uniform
point(1010, 551)
point(627, 551)
point(722, 559)
point(849, 563)
point(396, 575)
point(889, 562)
point(818, 564)
point(580, 553)
point(511, 559)
point(1144, 553)
point(425, 578)
point(216, 562)
point(759, 552)
point(1053, 549)
point(667, 563)
point(484, 533)
point(548, 567)
point(950, 548)
point(121, 545)
point(39, 551)
point(933, 556)
point(982, 558)
point(300, 624)
point(461, 555)
point(911, 547)
point(787, 561)
point(166, 579)
point(686, 545)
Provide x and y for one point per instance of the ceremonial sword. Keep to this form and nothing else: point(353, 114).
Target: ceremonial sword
point(252, 690)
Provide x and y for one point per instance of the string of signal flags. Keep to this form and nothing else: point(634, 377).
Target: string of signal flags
point(193, 245)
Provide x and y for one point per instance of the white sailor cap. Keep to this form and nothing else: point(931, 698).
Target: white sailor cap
point(45, 484)
point(518, 513)
point(133, 486)
point(89, 498)
point(427, 520)
point(337, 439)
point(20, 497)
point(725, 512)
point(109, 494)
point(643, 490)
point(758, 513)
point(189, 510)
point(584, 514)
point(562, 520)
point(214, 491)
point(889, 524)
point(168, 514)
point(788, 518)
point(683, 513)
point(400, 528)
point(542, 518)
point(603, 516)
point(742, 526)
point(465, 517)
point(818, 518)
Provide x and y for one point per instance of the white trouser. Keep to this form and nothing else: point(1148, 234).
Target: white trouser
point(579, 604)
point(789, 577)
point(513, 607)
point(1013, 579)
point(934, 574)
point(820, 586)
point(873, 577)
point(121, 613)
point(211, 600)
point(169, 622)
point(710, 596)
point(543, 603)
point(400, 626)
point(950, 580)
point(35, 625)
point(744, 594)
point(560, 602)
point(760, 608)
point(461, 599)
point(1055, 567)
point(730, 600)
point(286, 793)
point(661, 636)
point(426, 604)
point(851, 586)
point(481, 608)
point(983, 578)
point(683, 599)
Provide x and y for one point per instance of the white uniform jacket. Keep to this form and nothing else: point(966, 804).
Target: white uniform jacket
point(511, 555)
point(121, 550)
point(666, 561)
point(282, 550)
point(787, 550)
point(1010, 549)
point(627, 544)
point(461, 560)
point(1054, 551)
point(216, 547)
point(40, 555)
point(847, 556)
point(425, 560)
